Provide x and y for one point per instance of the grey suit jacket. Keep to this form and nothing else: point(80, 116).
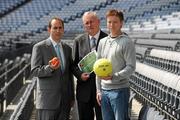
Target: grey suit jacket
point(54, 88)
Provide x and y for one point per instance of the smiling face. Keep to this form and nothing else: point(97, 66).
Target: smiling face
point(91, 23)
point(56, 29)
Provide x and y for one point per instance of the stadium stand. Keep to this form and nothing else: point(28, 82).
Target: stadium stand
point(153, 25)
point(13, 80)
point(7, 6)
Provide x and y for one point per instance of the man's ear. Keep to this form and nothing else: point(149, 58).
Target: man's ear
point(49, 29)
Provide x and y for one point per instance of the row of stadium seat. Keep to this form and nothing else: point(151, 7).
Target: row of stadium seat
point(150, 113)
point(7, 6)
point(30, 21)
point(158, 87)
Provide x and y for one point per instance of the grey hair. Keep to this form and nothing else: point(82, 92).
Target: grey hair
point(90, 13)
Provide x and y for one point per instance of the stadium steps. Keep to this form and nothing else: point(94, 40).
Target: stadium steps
point(136, 107)
point(33, 115)
point(13, 105)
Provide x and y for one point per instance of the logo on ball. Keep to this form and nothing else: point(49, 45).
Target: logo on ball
point(102, 67)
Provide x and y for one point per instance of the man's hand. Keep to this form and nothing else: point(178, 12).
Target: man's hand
point(84, 76)
point(98, 98)
point(54, 63)
point(72, 103)
point(106, 78)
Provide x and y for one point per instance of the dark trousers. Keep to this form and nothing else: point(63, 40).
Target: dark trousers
point(86, 110)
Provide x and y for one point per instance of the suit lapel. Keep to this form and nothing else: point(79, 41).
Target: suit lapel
point(87, 42)
point(100, 36)
point(51, 48)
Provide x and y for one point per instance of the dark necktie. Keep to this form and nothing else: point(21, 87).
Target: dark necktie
point(58, 51)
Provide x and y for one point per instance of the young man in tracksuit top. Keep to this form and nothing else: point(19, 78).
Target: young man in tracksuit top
point(113, 91)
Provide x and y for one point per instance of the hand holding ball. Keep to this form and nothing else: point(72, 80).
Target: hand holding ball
point(55, 61)
point(103, 67)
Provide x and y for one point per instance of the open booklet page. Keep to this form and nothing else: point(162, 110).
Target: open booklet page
point(86, 64)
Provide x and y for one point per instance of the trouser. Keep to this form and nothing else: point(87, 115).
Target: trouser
point(114, 104)
point(86, 110)
point(62, 113)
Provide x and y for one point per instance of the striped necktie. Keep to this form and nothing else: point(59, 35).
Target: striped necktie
point(93, 43)
point(58, 51)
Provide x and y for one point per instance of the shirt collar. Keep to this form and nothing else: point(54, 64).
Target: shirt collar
point(54, 43)
point(95, 36)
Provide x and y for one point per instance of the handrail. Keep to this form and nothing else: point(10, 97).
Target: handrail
point(13, 79)
point(9, 70)
point(23, 101)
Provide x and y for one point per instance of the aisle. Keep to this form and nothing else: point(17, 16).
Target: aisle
point(136, 106)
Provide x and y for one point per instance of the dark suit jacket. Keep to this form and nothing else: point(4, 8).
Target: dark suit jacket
point(81, 47)
point(53, 86)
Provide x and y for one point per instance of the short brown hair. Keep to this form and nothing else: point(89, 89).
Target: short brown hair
point(55, 18)
point(113, 12)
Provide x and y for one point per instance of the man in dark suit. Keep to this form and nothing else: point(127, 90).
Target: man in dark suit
point(86, 88)
point(55, 92)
